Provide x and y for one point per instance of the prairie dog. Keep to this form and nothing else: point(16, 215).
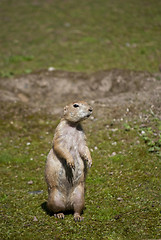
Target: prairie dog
point(67, 162)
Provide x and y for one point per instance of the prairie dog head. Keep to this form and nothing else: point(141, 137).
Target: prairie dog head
point(77, 111)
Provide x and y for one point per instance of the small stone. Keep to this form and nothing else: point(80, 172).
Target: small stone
point(30, 182)
point(36, 192)
point(67, 24)
point(51, 69)
point(119, 199)
point(23, 97)
point(113, 154)
point(114, 129)
point(35, 219)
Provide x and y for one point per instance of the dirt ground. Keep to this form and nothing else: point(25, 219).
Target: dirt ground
point(112, 90)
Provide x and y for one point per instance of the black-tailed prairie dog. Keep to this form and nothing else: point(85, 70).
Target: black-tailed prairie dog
point(67, 162)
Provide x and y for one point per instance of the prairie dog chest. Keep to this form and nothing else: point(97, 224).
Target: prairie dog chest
point(73, 139)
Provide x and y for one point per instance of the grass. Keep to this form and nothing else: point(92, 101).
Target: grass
point(79, 36)
point(123, 186)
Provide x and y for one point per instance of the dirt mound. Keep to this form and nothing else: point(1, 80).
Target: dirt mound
point(51, 90)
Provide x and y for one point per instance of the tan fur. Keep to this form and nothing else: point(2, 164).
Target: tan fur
point(67, 161)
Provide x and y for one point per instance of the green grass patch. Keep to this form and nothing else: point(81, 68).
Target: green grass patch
point(79, 36)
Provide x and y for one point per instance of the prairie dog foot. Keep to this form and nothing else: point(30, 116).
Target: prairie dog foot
point(77, 217)
point(59, 215)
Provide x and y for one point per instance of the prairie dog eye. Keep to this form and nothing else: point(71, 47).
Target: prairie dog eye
point(75, 105)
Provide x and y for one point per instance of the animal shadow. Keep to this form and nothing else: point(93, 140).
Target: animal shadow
point(45, 209)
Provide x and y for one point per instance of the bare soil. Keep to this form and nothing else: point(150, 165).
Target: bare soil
point(113, 90)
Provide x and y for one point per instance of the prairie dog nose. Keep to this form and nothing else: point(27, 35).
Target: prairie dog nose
point(90, 109)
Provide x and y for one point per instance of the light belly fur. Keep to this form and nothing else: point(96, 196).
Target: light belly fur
point(61, 175)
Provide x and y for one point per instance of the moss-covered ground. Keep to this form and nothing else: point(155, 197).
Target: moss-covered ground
point(123, 188)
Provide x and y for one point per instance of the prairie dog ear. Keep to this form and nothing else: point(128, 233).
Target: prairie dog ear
point(65, 109)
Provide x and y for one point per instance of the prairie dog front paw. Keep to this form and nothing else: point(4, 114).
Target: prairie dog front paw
point(89, 161)
point(70, 163)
